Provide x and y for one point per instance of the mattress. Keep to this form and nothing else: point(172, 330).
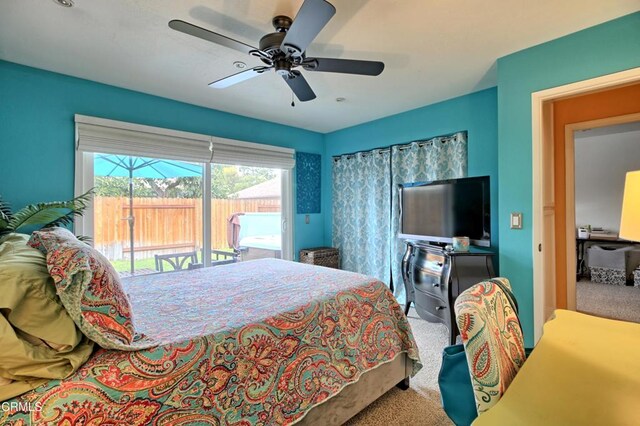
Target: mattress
point(259, 342)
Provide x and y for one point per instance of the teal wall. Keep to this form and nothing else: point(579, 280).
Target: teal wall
point(476, 113)
point(37, 132)
point(611, 47)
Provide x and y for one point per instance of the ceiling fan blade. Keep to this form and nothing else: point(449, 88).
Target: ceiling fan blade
point(238, 78)
point(194, 30)
point(310, 20)
point(300, 87)
point(345, 66)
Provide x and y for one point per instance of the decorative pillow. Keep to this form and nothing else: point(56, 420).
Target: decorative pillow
point(89, 288)
point(492, 337)
point(29, 295)
point(38, 338)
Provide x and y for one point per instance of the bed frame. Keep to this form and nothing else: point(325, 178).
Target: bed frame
point(355, 397)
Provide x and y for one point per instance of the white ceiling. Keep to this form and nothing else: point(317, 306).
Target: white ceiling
point(433, 49)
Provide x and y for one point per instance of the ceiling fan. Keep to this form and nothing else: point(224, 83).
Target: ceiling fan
point(284, 50)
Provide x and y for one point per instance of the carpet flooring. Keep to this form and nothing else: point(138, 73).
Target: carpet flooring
point(420, 404)
point(609, 301)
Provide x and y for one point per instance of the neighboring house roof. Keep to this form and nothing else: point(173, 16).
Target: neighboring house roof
point(267, 189)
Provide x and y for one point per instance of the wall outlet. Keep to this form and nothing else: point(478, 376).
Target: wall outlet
point(307, 219)
point(516, 220)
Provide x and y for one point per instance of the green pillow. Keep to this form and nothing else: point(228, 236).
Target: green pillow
point(28, 295)
point(37, 336)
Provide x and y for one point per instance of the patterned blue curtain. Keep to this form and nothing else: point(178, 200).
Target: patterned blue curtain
point(421, 161)
point(362, 212)
point(365, 201)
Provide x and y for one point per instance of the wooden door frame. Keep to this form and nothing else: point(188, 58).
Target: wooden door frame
point(570, 168)
point(542, 135)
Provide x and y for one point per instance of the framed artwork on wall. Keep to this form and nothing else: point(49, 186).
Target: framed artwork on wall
point(308, 182)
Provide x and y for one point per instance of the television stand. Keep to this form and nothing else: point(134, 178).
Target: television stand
point(433, 279)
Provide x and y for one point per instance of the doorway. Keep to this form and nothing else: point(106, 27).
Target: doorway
point(554, 230)
point(603, 153)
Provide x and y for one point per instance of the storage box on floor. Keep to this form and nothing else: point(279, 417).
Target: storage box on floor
point(322, 256)
point(613, 265)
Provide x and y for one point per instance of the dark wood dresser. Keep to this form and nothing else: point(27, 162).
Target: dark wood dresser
point(433, 279)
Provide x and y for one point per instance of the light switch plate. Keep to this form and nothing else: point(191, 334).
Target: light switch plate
point(516, 220)
point(307, 219)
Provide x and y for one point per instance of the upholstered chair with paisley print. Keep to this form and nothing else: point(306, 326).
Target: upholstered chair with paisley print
point(492, 336)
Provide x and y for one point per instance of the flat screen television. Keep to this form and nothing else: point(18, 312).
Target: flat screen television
point(440, 210)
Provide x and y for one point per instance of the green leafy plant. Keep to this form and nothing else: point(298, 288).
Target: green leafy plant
point(42, 215)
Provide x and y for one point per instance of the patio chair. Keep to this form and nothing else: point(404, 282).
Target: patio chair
point(178, 261)
point(221, 257)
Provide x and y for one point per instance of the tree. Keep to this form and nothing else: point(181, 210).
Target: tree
point(225, 181)
point(181, 187)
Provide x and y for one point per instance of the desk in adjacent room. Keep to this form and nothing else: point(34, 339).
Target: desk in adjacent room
point(580, 248)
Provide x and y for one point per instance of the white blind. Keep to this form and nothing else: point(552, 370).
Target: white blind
point(117, 137)
point(228, 151)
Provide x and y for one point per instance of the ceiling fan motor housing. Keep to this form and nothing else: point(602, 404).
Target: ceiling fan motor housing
point(271, 44)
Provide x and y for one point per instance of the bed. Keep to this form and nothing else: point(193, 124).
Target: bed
point(259, 342)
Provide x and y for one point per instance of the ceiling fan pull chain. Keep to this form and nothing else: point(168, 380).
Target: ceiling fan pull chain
point(293, 104)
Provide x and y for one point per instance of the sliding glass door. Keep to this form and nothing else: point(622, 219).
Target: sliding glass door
point(150, 216)
point(168, 200)
point(246, 212)
point(147, 213)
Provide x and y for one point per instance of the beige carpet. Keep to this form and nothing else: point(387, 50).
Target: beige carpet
point(609, 301)
point(420, 404)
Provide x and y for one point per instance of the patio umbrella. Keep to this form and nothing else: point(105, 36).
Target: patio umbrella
point(126, 166)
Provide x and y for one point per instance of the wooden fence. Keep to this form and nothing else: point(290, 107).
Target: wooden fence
point(165, 225)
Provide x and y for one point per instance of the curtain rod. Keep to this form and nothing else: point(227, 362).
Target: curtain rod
point(402, 147)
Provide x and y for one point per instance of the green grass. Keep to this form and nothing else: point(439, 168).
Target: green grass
point(125, 265)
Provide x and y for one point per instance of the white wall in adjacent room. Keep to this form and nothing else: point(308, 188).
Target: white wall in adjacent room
point(603, 156)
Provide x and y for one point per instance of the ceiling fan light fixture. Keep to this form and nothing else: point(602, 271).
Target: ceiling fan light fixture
point(283, 68)
point(64, 3)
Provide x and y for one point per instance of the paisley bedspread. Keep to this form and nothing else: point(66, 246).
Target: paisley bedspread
point(252, 343)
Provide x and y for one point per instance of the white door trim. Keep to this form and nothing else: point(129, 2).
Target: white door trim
point(286, 201)
point(83, 182)
point(538, 101)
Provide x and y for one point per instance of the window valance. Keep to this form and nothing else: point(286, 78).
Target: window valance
point(95, 134)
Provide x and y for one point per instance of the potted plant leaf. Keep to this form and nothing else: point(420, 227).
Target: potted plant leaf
point(41, 215)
